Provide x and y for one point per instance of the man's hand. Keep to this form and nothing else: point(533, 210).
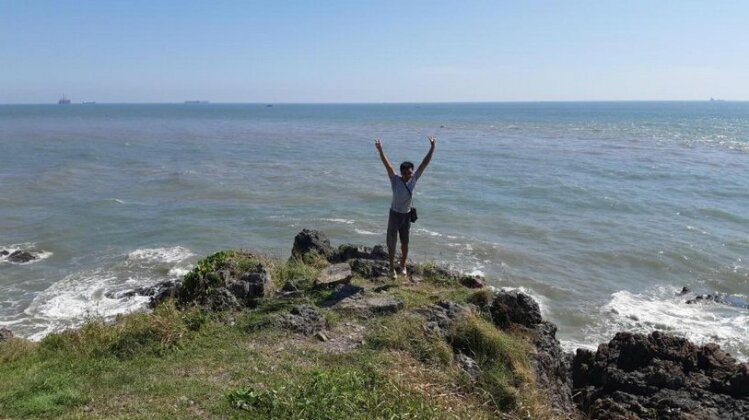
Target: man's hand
point(385, 160)
point(428, 157)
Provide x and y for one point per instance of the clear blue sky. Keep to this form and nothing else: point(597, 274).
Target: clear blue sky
point(372, 51)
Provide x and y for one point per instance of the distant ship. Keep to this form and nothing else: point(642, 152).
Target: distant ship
point(88, 102)
point(716, 100)
point(196, 102)
point(64, 101)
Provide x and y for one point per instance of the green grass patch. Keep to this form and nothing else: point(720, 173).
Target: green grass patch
point(338, 393)
point(405, 332)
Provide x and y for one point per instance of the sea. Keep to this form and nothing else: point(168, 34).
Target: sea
point(602, 211)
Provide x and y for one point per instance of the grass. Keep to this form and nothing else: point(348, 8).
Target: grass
point(187, 363)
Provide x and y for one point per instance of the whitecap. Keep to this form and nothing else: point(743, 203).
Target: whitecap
point(167, 255)
point(364, 232)
point(662, 309)
point(345, 221)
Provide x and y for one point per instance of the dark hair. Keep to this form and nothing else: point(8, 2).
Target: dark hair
point(406, 165)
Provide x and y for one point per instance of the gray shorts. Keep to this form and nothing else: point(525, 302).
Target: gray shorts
point(399, 224)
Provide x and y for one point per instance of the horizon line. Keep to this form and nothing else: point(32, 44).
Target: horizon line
point(208, 102)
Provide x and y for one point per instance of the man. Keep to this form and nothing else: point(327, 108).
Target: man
point(399, 221)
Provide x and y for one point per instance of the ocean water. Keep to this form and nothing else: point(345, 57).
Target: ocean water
point(602, 211)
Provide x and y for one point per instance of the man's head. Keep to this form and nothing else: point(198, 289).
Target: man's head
point(407, 170)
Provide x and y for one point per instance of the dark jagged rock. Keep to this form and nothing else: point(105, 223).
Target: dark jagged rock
point(4, 252)
point(685, 290)
point(513, 307)
point(251, 285)
point(311, 241)
point(5, 334)
point(163, 291)
point(440, 315)
point(348, 252)
point(304, 319)
point(721, 298)
point(370, 269)
point(340, 293)
point(472, 282)
point(660, 376)
point(333, 275)
point(21, 257)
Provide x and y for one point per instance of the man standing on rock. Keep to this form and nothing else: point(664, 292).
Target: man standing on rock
point(399, 221)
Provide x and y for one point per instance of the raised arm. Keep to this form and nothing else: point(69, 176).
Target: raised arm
point(428, 157)
point(385, 160)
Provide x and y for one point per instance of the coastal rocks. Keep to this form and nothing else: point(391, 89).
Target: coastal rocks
point(333, 275)
point(304, 319)
point(240, 274)
point(468, 365)
point(20, 257)
point(5, 334)
point(370, 269)
point(513, 307)
point(347, 252)
point(340, 293)
point(365, 305)
point(660, 376)
point(440, 315)
point(472, 282)
point(309, 240)
point(721, 298)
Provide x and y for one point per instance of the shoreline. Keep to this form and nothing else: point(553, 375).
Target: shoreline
point(335, 301)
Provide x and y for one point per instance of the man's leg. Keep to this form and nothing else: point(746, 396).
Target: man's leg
point(392, 237)
point(404, 232)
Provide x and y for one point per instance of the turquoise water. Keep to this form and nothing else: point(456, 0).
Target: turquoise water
point(602, 211)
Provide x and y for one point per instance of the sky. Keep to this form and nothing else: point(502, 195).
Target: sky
point(373, 51)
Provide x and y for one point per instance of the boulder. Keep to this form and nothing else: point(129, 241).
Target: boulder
point(334, 275)
point(370, 269)
point(660, 376)
point(513, 307)
point(348, 252)
point(365, 305)
point(4, 253)
point(311, 241)
point(304, 319)
point(5, 334)
point(472, 282)
point(251, 285)
point(21, 257)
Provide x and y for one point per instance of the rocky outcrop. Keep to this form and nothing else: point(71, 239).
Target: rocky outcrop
point(21, 257)
point(370, 269)
point(660, 376)
point(311, 241)
point(348, 252)
point(304, 319)
point(513, 310)
point(5, 334)
point(226, 280)
point(513, 307)
point(441, 315)
point(365, 304)
point(333, 275)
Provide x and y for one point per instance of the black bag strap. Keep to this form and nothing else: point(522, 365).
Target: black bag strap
point(406, 185)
